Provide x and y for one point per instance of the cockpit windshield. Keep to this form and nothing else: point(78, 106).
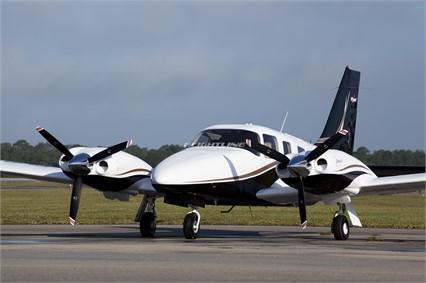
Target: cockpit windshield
point(225, 137)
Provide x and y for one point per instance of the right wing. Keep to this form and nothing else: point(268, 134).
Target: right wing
point(394, 184)
point(392, 170)
point(38, 172)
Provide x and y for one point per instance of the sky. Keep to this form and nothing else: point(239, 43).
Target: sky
point(100, 72)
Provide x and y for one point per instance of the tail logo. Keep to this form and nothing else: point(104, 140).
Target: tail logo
point(342, 122)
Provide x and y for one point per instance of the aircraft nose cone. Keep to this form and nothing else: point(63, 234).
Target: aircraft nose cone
point(201, 165)
point(185, 169)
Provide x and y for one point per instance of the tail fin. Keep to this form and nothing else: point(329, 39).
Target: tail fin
point(343, 113)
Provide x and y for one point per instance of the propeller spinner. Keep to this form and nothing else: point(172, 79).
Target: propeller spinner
point(79, 165)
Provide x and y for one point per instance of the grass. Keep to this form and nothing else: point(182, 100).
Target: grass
point(49, 204)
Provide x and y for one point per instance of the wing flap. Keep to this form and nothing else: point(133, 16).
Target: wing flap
point(395, 184)
point(37, 172)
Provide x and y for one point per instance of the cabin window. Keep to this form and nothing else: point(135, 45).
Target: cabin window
point(287, 147)
point(270, 141)
point(300, 149)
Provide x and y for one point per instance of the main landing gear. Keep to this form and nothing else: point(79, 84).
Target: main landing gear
point(147, 217)
point(191, 224)
point(340, 224)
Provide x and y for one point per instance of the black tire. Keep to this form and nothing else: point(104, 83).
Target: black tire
point(333, 222)
point(340, 227)
point(188, 226)
point(148, 224)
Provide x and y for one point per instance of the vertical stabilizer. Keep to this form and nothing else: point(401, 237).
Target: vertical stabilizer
point(343, 113)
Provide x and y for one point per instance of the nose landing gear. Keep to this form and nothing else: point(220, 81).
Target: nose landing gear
point(191, 224)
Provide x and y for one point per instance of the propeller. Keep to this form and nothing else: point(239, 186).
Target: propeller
point(53, 141)
point(77, 184)
point(278, 156)
point(323, 147)
point(79, 166)
point(299, 166)
point(301, 204)
point(110, 151)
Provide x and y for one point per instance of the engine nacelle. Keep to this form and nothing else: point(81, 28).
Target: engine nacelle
point(118, 165)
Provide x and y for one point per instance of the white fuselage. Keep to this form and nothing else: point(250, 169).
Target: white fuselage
point(214, 167)
point(219, 163)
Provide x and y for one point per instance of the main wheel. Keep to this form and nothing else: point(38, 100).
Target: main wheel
point(148, 224)
point(191, 226)
point(340, 227)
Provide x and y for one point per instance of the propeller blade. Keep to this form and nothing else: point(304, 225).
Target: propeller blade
point(75, 199)
point(322, 148)
point(110, 151)
point(302, 205)
point(53, 141)
point(269, 152)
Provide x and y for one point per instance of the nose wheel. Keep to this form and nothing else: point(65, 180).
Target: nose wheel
point(191, 224)
point(340, 225)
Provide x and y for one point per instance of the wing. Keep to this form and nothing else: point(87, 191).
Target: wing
point(386, 170)
point(45, 173)
point(394, 184)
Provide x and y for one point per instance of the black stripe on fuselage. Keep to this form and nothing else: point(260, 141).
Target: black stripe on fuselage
point(324, 183)
point(226, 193)
point(103, 183)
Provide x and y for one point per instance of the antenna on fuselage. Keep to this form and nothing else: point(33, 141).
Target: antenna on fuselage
point(285, 119)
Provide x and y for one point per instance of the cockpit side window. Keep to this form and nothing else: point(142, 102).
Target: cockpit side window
point(287, 147)
point(270, 141)
point(300, 149)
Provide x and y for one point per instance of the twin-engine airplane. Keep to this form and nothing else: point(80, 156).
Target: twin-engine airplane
point(233, 165)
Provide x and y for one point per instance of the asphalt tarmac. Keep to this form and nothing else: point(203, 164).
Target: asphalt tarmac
point(222, 253)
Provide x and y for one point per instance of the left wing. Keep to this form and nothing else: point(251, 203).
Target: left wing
point(38, 172)
point(394, 184)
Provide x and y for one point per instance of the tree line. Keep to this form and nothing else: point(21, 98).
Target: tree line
point(46, 154)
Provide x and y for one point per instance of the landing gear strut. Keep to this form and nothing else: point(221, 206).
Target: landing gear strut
point(191, 224)
point(147, 217)
point(340, 224)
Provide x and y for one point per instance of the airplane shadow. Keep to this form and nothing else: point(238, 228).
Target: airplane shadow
point(162, 232)
point(229, 237)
